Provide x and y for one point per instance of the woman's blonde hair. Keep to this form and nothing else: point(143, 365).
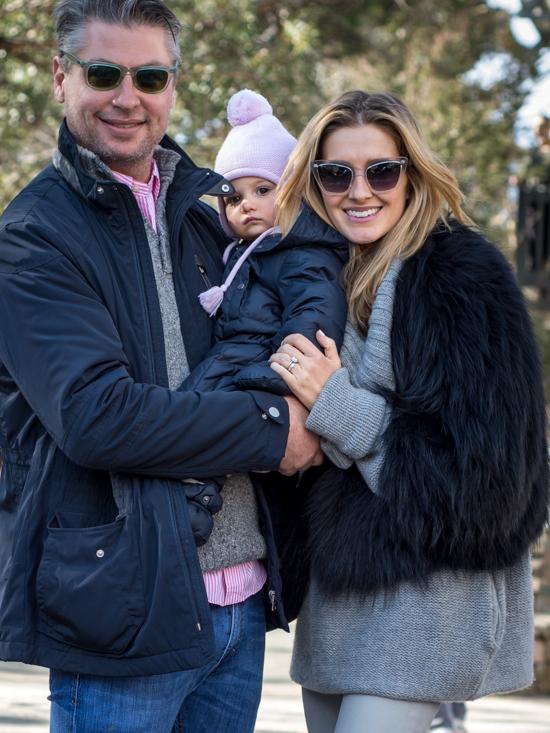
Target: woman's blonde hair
point(432, 195)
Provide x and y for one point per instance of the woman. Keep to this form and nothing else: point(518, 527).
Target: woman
point(417, 540)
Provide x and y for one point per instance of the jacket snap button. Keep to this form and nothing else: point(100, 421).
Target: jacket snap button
point(225, 188)
point(100, 189)
point(274, 412)
point(100, 553)
point(264, 416)
point(205, 499)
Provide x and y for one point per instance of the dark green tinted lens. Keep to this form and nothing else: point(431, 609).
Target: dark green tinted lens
point(103, 76)
point(151, 80)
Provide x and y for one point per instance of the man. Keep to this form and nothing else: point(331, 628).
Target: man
point(102, 257)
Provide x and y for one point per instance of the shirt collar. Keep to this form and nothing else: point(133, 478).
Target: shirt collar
point(150, 187)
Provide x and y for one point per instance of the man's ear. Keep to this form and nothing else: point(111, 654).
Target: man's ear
point(59, 76)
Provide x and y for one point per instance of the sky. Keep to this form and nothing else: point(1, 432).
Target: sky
point(538, 100)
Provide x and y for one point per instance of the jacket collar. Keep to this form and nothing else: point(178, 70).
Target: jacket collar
point(308, 229)
point(91, 181)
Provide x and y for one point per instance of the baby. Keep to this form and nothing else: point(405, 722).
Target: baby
point(272, 286)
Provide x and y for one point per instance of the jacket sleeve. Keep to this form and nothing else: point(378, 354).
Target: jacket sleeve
point(223, 362)
point(62, 348)
point(312, 298)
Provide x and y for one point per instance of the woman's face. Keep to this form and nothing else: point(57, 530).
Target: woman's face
point(361, 215)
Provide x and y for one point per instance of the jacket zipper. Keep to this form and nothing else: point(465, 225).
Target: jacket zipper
point(141, 284)
point(175, 515)
point(203, 272)
point(194, 195)
point(272, 600)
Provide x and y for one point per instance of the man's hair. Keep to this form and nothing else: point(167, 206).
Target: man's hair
point(72, 17)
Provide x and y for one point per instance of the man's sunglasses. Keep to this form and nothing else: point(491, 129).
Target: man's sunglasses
point(104, 76)
point(338, 177)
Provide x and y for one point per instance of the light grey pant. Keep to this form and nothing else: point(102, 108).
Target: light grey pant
point(365, 714)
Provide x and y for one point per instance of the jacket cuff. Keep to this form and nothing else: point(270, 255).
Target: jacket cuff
point(272, 428)
point(335, 455)
point(349, 417)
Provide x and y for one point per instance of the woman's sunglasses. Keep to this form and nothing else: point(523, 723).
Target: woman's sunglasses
point(338, 177)
point(103, 76)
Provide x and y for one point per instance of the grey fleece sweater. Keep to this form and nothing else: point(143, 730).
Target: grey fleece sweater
point(466, 634)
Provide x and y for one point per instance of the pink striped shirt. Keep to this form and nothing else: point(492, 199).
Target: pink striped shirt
point(234, 584)
point(238, 582)
point(146, 194)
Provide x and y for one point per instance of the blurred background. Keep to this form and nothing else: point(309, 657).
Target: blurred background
point(467, 68)
point(475, 73)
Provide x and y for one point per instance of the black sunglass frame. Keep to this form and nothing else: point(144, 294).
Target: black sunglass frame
point(402, 161)
point(122, 70)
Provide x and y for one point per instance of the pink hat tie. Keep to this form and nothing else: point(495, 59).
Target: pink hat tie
point(212, 299)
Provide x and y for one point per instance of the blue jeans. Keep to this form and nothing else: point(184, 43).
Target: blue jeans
point(222, 696)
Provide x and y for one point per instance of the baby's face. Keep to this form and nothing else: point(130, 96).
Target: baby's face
point(251, 210)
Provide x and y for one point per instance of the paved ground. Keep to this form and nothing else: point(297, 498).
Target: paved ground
point(24, 709)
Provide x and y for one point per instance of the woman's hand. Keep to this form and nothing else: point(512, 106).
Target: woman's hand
point(303, 367)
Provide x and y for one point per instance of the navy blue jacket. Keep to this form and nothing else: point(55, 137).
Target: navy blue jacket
point(286, 285)
point(98, 567)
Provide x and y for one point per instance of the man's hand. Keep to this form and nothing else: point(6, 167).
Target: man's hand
point(302, 447)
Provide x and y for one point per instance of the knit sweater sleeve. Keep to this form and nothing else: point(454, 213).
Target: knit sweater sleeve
point(337, 415)
point(350, 414)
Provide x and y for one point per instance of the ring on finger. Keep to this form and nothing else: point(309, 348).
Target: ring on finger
point(292, 363)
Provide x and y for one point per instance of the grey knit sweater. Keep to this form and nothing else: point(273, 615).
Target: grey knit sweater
point(466, 634)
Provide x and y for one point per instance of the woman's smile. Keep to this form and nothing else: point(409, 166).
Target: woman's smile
point(363, 214)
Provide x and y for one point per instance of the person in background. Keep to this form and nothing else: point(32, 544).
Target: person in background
point(414, 546)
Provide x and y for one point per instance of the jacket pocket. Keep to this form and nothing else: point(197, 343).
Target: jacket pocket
point(498, 597)
point(89, 585)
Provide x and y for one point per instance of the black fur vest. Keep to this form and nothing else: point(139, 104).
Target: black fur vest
point(465, 479)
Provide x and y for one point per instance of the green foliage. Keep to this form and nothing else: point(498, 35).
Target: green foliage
point(27, 113)
point(228, 46)
point(300, 53)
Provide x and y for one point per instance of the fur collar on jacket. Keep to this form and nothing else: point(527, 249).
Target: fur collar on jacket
point(465, 479)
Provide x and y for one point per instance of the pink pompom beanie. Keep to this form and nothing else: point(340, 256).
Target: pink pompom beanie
point(258, 144)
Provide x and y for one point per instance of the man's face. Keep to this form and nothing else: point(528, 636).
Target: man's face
point(123, 125)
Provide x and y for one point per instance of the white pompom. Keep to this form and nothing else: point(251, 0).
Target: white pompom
point(245, 106)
